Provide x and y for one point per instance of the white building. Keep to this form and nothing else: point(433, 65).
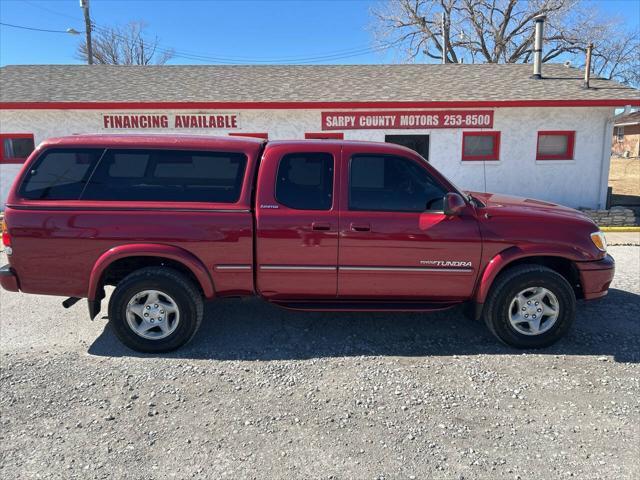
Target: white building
point(487, 127)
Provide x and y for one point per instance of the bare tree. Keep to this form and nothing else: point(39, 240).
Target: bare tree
point(502, 31)
point(125, 45)
point(618, 57)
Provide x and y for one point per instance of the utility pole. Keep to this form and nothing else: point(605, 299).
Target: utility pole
point(84, 4)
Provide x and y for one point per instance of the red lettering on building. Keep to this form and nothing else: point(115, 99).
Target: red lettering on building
point(162, 121)
point(396, 120)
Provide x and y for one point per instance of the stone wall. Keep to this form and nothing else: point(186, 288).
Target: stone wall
point(615, 217)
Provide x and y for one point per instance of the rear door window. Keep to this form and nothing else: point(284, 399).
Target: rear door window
point(60, 174)
point(305, 181)
point(168, 176)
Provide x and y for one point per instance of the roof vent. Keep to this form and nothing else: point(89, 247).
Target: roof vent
point(537, 48)
point(587, 66)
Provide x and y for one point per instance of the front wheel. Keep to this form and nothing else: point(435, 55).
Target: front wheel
point(155, 309)
point(530, 306)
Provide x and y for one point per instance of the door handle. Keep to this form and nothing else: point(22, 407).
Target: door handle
point(360, 227)
point(320, 226)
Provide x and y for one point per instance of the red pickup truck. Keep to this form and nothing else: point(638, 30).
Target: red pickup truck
point(172, 221)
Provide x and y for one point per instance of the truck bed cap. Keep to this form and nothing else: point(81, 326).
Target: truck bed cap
point(154, 140)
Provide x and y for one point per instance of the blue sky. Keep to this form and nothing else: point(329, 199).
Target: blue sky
point(245, 30)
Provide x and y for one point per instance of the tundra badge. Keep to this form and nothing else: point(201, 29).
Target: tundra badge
point(446, 263)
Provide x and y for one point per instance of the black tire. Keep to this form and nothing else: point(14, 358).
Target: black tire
point(515, 280)
point(171, 282)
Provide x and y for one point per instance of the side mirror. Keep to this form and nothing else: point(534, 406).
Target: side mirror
point(454, 204)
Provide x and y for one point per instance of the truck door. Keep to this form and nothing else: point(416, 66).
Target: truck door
point(297, 221)
point(395, 241)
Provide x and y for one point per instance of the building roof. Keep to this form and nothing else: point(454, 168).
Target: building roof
point(427, 83)
point(632, 118)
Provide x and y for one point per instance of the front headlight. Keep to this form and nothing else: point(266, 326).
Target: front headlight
point(599, 241)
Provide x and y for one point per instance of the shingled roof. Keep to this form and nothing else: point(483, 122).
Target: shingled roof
point(292, 83)
point(632, 118)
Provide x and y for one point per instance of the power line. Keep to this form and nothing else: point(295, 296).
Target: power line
point(232, 60)
point(337, 55)
point(23, 27)
point(222, 59)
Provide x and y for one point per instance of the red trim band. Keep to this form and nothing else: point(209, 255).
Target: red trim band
point(252, 134)
point(324, 136)
point(310, 105)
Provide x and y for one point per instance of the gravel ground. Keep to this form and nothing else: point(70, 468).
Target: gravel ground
point(266, 393)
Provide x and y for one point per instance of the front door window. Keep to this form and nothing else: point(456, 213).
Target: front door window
point(392, 184)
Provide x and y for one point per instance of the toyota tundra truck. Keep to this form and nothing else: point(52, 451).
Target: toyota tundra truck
point(331, 225)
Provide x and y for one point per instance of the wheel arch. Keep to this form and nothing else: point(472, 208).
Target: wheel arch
point(515, 256)
point(121, 260)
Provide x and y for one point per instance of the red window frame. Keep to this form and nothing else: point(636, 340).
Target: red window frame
point(571, 140)
point(252, 134)
point(13, 160)
point(324, 136)
point(495, 155)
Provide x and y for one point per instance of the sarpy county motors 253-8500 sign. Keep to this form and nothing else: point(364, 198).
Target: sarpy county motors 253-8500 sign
point(404, 119)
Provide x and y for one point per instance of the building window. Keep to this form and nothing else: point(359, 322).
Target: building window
point(619, 134)
point(324, 136)
point(555, 145)
point(480, 146)
point(305, 181)
point(16, 147)
point(253, 134)
point(417, 143)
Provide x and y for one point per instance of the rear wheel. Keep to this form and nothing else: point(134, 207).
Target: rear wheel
point(530, 306)
point(155, 309)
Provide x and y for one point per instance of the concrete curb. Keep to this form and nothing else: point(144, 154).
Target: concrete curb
point(620, 229)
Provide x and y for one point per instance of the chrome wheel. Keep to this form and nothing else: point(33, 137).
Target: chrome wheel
point(152, 314)
point(534, 311)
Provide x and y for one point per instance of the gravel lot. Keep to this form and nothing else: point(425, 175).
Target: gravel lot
point(266, 393)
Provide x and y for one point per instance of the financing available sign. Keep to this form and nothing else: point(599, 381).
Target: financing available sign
point(403, 119)
point(173, 121)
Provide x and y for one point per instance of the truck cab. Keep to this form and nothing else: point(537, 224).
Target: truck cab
point(359, 222)
point(173, 221)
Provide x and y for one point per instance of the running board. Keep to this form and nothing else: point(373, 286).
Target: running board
point(365, 306)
